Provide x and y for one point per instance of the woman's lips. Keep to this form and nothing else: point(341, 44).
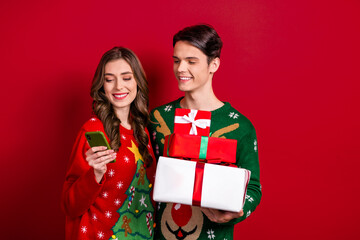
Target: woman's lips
point(120, 96)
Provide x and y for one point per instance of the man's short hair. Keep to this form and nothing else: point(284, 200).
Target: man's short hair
point(203, 37)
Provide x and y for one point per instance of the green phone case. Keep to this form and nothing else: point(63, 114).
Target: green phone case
point(96, 139)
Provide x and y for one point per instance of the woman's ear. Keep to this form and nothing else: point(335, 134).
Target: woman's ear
point(214, 65)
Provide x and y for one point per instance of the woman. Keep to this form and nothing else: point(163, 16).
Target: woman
point(103, 199)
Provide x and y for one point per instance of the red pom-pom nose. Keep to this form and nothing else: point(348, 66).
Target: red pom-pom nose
point(181, 214)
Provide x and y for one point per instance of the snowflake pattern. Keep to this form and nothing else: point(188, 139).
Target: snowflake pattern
point(117, 202)
point(248, 213)
point(250, 199)
point(233, 115)
point(105, 194)
point(142, 201)
point(83, 229)
point(108, 214)
point(119, 185)
point(111, 173)
point(123, 136)
point(126, 159)
point(100, 235)
point(94, 217)
point(92, 119)
point(211, 234)
point(168, 108)
point(255, 145)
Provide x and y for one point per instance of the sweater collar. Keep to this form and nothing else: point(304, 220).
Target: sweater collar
point(220, 110)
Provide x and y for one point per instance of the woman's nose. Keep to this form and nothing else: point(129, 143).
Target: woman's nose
point(119, 84)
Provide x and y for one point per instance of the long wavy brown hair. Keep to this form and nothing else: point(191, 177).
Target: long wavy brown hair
point(103, 109)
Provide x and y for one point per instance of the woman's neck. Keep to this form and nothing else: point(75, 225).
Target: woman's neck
point(123, 115)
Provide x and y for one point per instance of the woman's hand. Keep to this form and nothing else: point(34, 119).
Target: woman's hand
point(98, 157)
point(219, 216)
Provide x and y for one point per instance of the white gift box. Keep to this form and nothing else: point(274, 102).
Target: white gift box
point(223, 187)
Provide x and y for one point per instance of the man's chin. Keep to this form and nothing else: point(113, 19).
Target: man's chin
point(184, 88)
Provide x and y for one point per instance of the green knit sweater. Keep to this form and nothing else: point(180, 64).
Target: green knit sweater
point(187, 222)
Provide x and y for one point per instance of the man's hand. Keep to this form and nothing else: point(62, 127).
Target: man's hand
point(219, 216)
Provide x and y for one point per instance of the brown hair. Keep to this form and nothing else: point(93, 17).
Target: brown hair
point(138, 109)
point(203, 37)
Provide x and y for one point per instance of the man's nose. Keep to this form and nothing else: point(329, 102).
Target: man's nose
point(182, 66)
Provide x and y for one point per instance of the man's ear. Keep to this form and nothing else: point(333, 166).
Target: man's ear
point(214, 65)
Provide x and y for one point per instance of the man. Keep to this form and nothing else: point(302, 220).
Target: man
point(196, 59)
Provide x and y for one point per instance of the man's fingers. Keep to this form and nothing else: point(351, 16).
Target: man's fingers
point(221, 216)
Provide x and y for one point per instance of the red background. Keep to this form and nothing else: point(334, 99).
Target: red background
point(291, 67)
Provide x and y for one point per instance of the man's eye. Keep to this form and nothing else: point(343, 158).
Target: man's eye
point(176, 61)
point(190, 62)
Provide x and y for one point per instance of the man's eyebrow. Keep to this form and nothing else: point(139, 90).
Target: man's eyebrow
point(188, 58)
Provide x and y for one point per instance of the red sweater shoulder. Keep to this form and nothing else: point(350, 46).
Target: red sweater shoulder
point(92, 125)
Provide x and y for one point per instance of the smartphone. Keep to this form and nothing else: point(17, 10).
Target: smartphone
point(96, 139)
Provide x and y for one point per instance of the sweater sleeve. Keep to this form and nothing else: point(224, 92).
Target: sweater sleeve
point(248, 158)
point(80, 188)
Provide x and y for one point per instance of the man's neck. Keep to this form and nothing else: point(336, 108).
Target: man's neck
point(198, 100)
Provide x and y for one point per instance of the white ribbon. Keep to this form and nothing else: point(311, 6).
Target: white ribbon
point(201, 123)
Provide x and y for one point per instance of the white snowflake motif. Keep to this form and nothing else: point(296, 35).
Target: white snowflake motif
point(117, 202)
point(148, 146)
point(233, 115)
point(111, 173)
point(255, 145)
point(123, 136)
point(142, 201)
point(119, 185)
point(105, 194)
point(94, 217)
point(248, 213)
point(83, 229)
point(250, 199)
point(168, 108)
point(211, 234)
point(100, 235)
point(126, 159)
point(92, 119)
point(108, 214)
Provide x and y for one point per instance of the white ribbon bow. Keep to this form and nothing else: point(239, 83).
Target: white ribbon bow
point(201, 123)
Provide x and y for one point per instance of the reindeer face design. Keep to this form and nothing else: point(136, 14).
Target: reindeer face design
point(181, 222)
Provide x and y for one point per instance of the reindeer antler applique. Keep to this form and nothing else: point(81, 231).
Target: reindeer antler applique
point(163, 128)
point(224, 130)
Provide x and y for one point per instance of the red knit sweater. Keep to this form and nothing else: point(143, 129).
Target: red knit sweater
point(91, 208)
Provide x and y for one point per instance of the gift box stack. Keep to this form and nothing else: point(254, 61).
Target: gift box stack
point(197, 169)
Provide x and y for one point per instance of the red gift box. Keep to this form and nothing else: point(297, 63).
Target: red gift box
point(193, 122)
point(214, 150)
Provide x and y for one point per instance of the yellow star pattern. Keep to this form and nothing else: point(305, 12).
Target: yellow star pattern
point(136, 152)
